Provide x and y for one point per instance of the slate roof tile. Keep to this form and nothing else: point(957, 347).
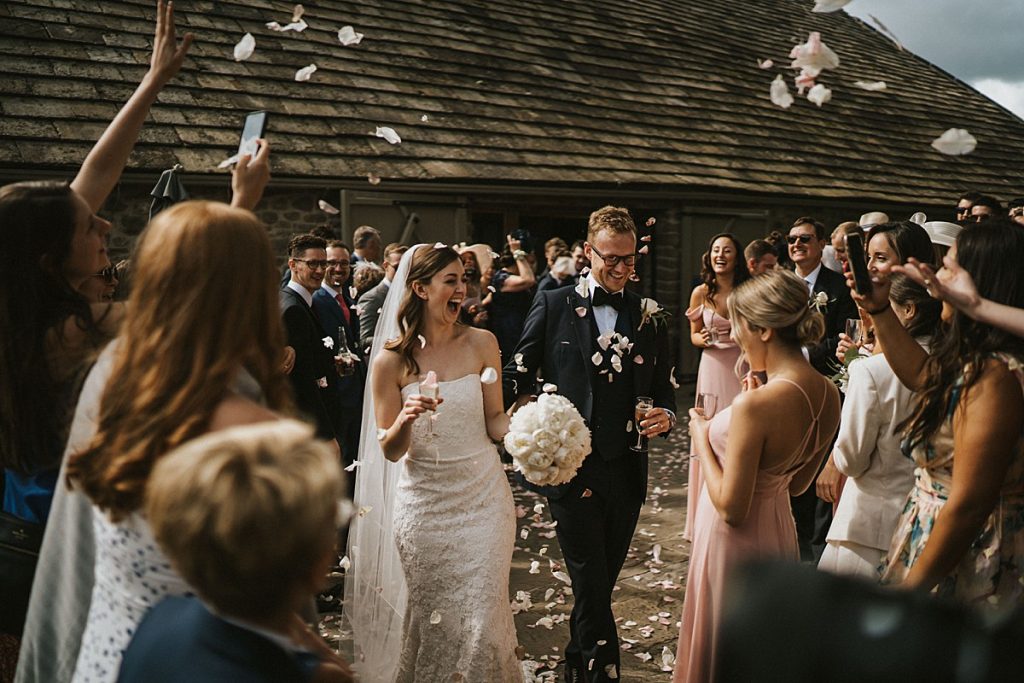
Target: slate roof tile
point(657, 93)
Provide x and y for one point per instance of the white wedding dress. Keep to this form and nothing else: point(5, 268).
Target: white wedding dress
point(454, 525)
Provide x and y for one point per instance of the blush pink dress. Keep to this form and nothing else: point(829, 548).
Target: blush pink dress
point(715, 375)
point(768, 532)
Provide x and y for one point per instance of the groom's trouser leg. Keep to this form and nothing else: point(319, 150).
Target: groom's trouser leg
point(594, 533)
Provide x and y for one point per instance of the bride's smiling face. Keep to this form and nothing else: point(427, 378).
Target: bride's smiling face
point(444, 295)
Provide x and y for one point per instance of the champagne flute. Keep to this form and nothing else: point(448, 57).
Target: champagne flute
point(643, 404)
point(855, 330)
point(429, 389)
point(344, 361)
point(706, 404)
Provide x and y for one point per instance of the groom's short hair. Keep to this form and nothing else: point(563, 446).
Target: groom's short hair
point(613, 219)
point(218, 503)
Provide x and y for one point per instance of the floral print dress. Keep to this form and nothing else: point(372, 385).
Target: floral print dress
point(992, 570)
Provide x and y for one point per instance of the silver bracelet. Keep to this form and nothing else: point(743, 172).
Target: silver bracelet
point(518, 254)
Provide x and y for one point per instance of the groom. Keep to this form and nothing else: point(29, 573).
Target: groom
point(568, 337)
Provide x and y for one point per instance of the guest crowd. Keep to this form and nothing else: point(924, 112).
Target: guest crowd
point(874, 430)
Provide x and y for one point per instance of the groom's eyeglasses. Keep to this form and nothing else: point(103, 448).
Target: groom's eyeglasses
point(313, 264)
point(612, 261)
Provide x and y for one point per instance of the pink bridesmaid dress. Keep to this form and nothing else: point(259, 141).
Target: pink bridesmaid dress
point(768, 532)
point(716, 375)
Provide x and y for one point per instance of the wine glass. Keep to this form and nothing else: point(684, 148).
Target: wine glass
point(706, 404)
point(429, 388)
point(712, 334)
point(643, 404)
point(344, 360)
point(855, 330)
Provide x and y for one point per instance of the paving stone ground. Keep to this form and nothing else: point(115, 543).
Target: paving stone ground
point(649, 595)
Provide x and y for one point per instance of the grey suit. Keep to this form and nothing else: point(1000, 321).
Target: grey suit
point(370, 304)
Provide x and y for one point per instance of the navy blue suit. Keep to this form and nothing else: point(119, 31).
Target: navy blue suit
point(350, 388)
point(597, 511)
point(180, 641)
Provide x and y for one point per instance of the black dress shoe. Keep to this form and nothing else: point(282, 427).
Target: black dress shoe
point(573, 674)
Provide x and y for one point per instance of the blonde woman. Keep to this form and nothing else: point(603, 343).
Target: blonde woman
point(751, 466)
point(185, 364)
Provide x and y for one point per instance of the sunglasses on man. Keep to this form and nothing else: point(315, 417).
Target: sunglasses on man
point(803, 239)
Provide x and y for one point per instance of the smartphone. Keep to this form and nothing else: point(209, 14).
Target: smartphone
point(254, 128)
point(858, 263)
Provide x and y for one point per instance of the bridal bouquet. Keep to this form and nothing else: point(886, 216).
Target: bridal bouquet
point(548, 440)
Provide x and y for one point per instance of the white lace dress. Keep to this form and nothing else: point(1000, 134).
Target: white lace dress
point(455, 529)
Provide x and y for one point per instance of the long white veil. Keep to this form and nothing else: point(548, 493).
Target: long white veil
point(375, 588)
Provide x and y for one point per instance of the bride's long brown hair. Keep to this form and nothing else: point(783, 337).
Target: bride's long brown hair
point(203, 306)
point(426, 263)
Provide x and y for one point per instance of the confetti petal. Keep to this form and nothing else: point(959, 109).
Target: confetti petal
point(489, 376)
point(871, 86)
point(616, 363)
point(549, 388)
point(813, 56)
point(298, 26)
point(353, 466)
point(563, 577)
point(651, 221)
point(766, 64)
point(246, 46)
point(644, 249)
point(327, 208)
point(597, 358)
point(638, 359)
point(780, 93)
point(305, 72)
point(435, 617)
point(548, 593)
point(955, 141)
point(388, 134)
point(345, 563)
point(423, 341)
point(646, 238)
point(825, 6)
point(539, 508)
point(373, 178)
point(440, 245)
point(364, 510)
point(297, 12)
point(535, 567)
point(348, 36)
point(819, 94)
point(581, 311)
point(424, 118)
point(668, 659)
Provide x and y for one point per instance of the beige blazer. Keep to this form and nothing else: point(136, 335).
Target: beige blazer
point(868, 452)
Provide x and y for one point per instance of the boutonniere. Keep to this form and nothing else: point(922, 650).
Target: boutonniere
point(328, 342)
point(819, 302)
point(652, 312)
point(841, 377)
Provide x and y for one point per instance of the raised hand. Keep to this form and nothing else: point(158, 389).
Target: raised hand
point(952, 283)
point(250, 176)
point(167, 54)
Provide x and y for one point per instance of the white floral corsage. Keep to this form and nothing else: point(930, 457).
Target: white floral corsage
point(819, 302)
point(652, 312)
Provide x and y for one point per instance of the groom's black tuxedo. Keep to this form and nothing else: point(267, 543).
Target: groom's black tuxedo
point(597, 511)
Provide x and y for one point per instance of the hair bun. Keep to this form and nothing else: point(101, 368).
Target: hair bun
point(811, 327)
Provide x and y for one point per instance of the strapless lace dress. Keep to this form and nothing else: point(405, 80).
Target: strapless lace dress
point(455, 529)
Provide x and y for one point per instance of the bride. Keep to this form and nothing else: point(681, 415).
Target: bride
point(431, 545)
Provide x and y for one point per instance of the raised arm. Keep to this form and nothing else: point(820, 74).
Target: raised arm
point(249, 178)
point(905, 356)
point(526, 277)
point(102, 168)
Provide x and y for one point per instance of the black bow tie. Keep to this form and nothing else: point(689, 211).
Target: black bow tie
point(603, 298)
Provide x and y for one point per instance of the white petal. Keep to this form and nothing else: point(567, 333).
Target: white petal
point(656, 553)
point(328, 342)
point(364, 510)
point(610, 671)
point(353, 466)
point(373, 178)
point(597, 358)
point(819, 94)
point(388, 134)
point(549, 388)
point(327, 208)
point(297, 12)
point(780, 93)
point(871, 86)
point(548, 593)
point(345, 563)
point(489, 376)
point(825, 6)
point(639, 360)
point(668, 659)
point(955, 141)
point(490, 288)
point(581, 311)
point(644, 249)
point(305, 72)
point(535, 567)
point(518, 358)
point(651, 221)
point(298, 26)
point(629, 427)
point(353, 292)
point(440, 245)
point(423, 341)
point(246, 46)
point(524, 533)
point(424, 118)
point(616, 363)
point(539, 508)
point(381, 433)
point(766, 64)
point(644, 656)
point(813, 56)
point(435, 617)
point(563, 577)
point(348, 36)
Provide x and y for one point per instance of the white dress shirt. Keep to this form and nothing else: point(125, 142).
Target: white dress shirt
point(604, 316)
point(306, 295)
point(812, 278)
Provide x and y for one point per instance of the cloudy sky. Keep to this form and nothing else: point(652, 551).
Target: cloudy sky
point(978, 41)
